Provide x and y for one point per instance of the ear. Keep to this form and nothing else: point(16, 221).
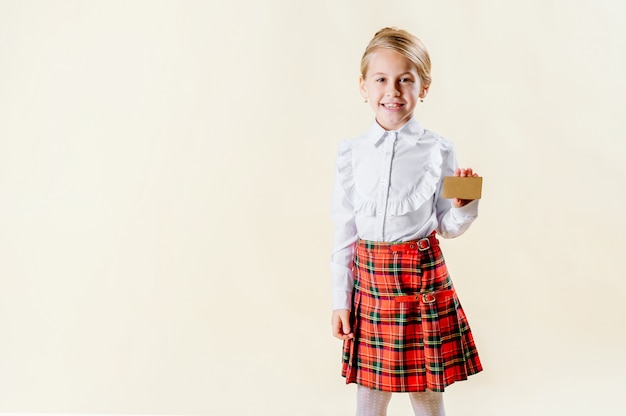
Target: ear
point(363, 88)
point(424, 91)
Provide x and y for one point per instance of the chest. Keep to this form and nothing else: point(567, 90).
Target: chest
point(396, 165)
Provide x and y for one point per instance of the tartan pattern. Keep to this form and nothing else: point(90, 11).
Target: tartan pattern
point(408, 346)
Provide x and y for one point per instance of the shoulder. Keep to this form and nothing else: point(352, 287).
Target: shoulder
point(445, 145)
point(347, 144)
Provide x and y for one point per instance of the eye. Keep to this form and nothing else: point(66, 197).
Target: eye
point(405, 80)
point(380, 79)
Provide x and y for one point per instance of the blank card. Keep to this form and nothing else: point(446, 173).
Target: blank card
point(462, 187)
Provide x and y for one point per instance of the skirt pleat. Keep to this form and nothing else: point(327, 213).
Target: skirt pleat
point(411, 333)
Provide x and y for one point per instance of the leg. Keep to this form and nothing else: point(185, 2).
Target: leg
point(371, 402)
point(428, 403)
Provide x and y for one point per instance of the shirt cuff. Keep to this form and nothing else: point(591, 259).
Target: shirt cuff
point(467, 211)
point(342, 300)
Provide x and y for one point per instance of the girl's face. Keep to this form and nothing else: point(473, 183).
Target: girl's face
point(392, 87)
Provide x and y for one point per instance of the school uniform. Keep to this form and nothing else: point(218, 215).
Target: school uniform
point(411, 333)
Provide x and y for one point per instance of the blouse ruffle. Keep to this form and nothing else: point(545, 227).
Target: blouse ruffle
point(420, 192)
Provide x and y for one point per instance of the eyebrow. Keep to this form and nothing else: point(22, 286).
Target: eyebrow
point(382, 73)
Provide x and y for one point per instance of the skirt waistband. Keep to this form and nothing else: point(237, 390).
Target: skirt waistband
point(422, 244)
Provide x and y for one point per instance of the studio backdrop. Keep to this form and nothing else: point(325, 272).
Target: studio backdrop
point(165, 178)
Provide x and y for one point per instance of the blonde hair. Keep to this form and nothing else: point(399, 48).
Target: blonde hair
point(405, 44)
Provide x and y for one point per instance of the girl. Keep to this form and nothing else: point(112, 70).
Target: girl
point(394, 305)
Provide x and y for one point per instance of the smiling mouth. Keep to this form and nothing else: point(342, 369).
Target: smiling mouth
point(393, 106)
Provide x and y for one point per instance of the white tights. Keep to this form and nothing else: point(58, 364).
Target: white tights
point(371, 402)
point(428, 403)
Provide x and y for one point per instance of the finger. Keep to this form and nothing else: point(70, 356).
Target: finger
point(346, 326)
point(341, 328)
point(337, 333)
point(336, 329)
point(459, 203)
point(457, 172)
point(347, 332)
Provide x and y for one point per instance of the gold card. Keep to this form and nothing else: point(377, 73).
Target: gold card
point(462, 187)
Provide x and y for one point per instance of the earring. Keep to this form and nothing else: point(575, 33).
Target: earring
point(365, 100)
point(421, 100)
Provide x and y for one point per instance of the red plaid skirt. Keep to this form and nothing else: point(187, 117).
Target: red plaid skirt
point(411, 333)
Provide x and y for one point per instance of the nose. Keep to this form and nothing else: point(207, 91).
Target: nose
point(392, 90)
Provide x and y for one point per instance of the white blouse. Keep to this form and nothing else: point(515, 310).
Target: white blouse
point(388, 188)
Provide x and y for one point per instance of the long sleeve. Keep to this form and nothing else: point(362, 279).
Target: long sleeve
point(452, 221)
point(344, 238)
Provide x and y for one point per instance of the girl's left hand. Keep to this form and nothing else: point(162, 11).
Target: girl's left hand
point(456, 202)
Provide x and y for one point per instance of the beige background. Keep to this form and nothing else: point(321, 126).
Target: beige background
point(165, 175)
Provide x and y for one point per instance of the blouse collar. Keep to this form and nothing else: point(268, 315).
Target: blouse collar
point(410, 132)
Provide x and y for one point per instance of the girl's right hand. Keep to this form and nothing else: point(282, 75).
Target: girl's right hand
point(341, 324)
